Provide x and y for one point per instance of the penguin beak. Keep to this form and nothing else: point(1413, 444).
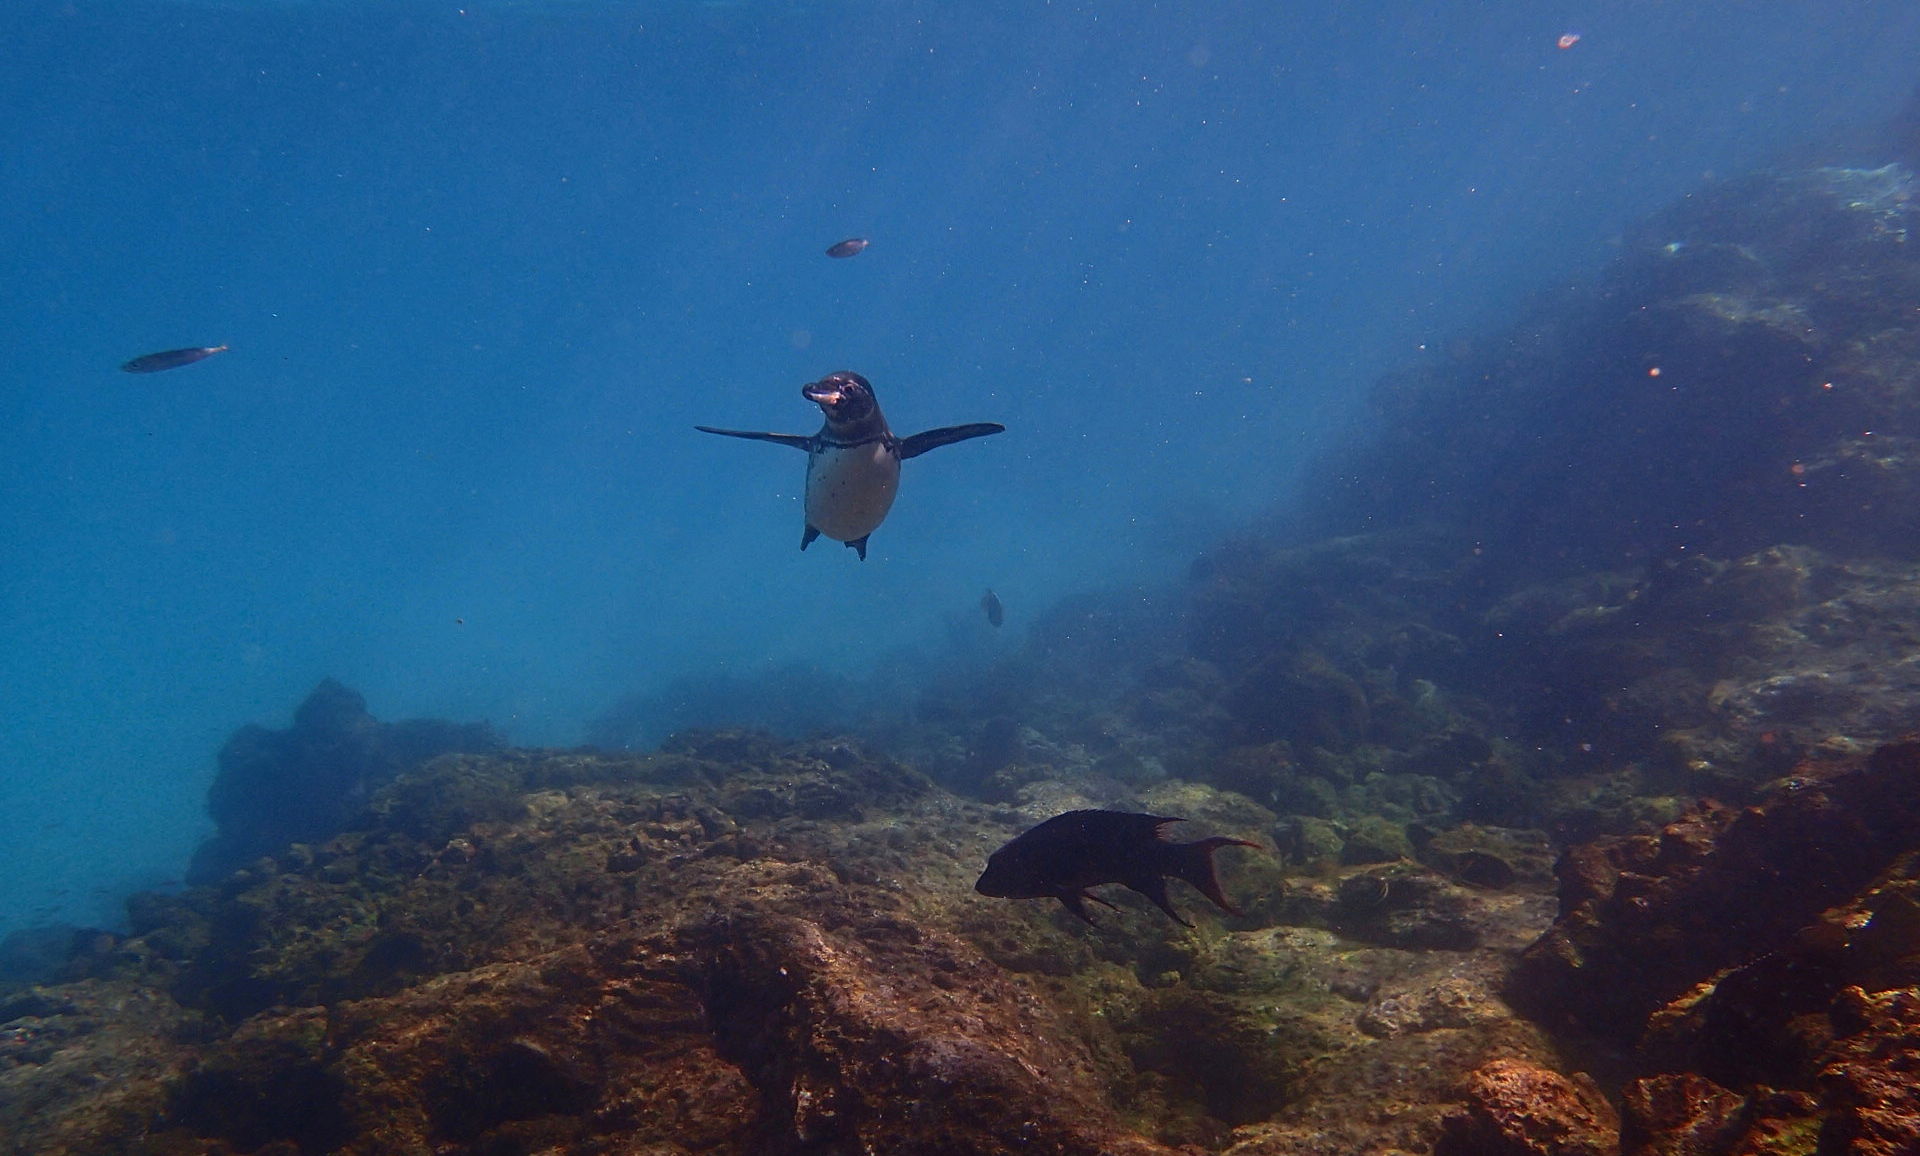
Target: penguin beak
point(827, 397)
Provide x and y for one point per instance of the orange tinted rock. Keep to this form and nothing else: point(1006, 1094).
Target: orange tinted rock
point(1870, 1079)
point(1717, 889)
point(1677, 1115)
point(1517, 1109)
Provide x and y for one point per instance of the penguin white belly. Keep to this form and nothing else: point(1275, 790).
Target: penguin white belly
point(849, 491)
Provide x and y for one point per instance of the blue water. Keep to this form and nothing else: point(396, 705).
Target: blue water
point(483, 267)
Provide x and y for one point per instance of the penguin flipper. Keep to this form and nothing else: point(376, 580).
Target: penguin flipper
point(946, 435)
point(797, 441)
point(859, 546)
point(807, 536)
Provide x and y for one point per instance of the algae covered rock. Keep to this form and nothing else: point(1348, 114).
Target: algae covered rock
point(312, 779)
point(1761, 963)
point(537, 951)
point(1518, 1109)
point(1645, 917)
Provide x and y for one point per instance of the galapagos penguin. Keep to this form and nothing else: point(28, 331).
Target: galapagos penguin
point(853, 463)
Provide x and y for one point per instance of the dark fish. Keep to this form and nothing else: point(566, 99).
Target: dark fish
point(171, 359)
point(1069, 853)
point(996, 613)
point(848, 248)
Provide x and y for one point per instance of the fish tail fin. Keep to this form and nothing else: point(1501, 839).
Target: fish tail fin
point(1193, 862)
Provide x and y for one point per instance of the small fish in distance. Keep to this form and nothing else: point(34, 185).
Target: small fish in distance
point(1062, 857)
point(171, 359)
point(850, 247)
point(996, 613)
point(853, 463)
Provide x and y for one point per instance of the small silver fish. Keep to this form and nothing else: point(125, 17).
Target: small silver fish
point(850, 247)
point(171, 359)
point(996, 613)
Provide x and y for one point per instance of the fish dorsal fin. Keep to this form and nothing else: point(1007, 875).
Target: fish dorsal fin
point(797, 441)
point(933, 439)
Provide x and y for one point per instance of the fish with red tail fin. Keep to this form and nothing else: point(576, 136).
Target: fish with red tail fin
point(1064, 856)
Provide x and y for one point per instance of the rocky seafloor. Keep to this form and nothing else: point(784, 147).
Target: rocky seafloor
point(1573, 716)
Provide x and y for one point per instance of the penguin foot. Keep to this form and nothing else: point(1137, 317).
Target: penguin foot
point(807, 537)
point(860, 544)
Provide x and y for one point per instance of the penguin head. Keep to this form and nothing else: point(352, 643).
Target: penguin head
point(845, 397)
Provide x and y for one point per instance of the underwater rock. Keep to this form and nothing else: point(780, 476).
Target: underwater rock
point(1857, 1094)
point(1815, 1036)
point(558, 1049)
point(1867, 1075)
point(1336, 698)
point(1680, 1113)
point(1408, 907)
point(86, 1067)
point(311, 780)
point(47, 954)
point(1241, 1061)
point(1309, 842)
point(1303, 700)
point(563, 951)
point(1722, 673)
point(611, 958)
point(1373, 839)
point(893, 1039)
point(1454, 1002)
point(1742, 377)
point(268, 1083)
point(1485, 856)
point(1517, 1109)
point(1268, 772)
point(1761, 964)
point(748, 1033)
point(1643, 918)
point(1454, 755)
point(1388, 1095)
